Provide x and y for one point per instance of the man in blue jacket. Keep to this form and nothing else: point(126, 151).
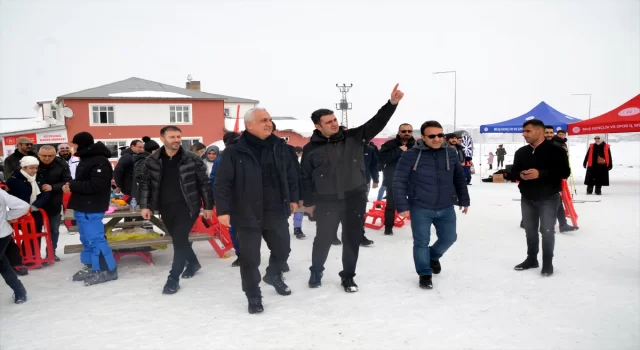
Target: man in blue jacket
point(426, 177)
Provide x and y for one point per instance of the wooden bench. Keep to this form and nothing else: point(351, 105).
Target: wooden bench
point(137, 243)
point(118, 225)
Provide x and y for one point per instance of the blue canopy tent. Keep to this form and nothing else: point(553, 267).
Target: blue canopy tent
point(542, 111)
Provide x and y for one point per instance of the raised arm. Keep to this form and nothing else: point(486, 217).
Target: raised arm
point(375, 125)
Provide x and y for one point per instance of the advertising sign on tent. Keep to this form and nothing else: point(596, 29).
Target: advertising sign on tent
point(544, 112)
point(625, 118)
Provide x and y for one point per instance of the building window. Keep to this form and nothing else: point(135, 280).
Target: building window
point(114, 146)
point(226, 112)
point(187, 143)
point(54, 115)
point(179, 114)
point(103, 115)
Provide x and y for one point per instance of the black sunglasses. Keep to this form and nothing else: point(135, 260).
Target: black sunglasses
point(433, 136)
point(405, 131)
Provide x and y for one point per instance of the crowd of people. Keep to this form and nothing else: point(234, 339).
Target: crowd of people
point(259, 181)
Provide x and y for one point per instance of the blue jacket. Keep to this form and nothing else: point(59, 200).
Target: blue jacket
point(429, 178)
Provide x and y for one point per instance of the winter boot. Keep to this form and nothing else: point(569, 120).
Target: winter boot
point(349, 285)
point(82, 274)
point(315, 280)
point(19, 292)
point(278, 283)
point(547, 267)
point(191, 270)
point(435, 266)
point(567, 228)
point(366, 242)
point(236, 263)
point(97, 277)
point(297, 231)
point(529, 263)
point(388, 232)
point(255, 304)
point(426, 282)
point(171, 287)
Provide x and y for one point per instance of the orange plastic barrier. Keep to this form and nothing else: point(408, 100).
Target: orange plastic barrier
point(26, 237)
point(567, 201)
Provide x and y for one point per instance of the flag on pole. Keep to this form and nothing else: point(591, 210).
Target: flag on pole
point(236, 128)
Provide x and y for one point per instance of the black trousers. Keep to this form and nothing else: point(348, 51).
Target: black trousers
point(390, 210)
point(329, 215)
point(179, 224)
point(6, 270)
point(540, 214)
point(562, 219)
point(500, 162)
point(276, 235)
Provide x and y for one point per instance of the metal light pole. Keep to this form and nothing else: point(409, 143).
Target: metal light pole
point(455, 92)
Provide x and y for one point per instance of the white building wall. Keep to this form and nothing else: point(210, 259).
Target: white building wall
point(136, 114)
point(232, 108)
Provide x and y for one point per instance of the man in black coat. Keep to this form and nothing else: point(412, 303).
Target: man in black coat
point(123, 172)
point(175, 182)
point(90, 195)
point(540, 167)
point(256, 189)
point(24, 147)
point(335, 188)
point(390, 153)
point(56, 173)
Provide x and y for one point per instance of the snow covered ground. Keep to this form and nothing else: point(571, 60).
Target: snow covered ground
point(478, 301)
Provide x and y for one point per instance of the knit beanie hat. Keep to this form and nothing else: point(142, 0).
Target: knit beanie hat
point(149, 144)
point(83, 140)
point(29, 160)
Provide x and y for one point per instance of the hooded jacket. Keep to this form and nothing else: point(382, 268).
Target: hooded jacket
point(139, 160)
point(429, 178)
point(123, 172)
point(333, 167)
point(91, 188)
point(389, 156)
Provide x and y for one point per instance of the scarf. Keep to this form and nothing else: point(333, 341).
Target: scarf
point(35, 190)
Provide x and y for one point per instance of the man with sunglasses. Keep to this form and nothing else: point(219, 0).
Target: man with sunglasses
point(425, 178)
point(24, 147)
point(334, 186)
point(389, 155)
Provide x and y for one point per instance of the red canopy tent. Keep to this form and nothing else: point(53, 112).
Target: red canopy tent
point(625, 118)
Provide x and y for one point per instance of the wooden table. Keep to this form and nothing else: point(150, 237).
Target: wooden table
point(116, 217)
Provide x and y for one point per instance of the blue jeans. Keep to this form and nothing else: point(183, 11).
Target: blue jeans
point(54, 228)
point(94, 242)
point(381, 191)
point(541, 212)
point(234, 240)
point(297, 219)
point(445, 224)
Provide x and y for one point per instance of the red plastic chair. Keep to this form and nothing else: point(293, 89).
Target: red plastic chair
point(377, 216)
point(220, 238)
point(25, 236)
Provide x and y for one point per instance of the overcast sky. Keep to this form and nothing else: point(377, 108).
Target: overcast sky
point(509, 55)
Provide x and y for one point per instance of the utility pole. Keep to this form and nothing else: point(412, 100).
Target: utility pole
point(343, 105)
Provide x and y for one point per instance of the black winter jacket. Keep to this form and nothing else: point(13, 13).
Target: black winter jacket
point(57, 174)
point(390, 153)
point(139, 160)
point(333, 168)
point(91, 188)
point(552, 163)
point(123, 172)
point(238, 184)
point(20, 187)
point(194, 183)
point(371, 164)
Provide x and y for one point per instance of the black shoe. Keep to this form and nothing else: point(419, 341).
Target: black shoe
point(82, 274)
point(278, 283)
point(285, 267)
point(21, 270)
point(598, 193)
point(567, 228)
point(426, 282)
point(236, 263)
point(336, 242)
point(255, 305)
point(529, 263)
point(315, 280)
point(388, 232)
point(435, 266)
point(349, 285)
point(55, 257)
point(19, 293)
point(366, 242)
point(97, 277)
point(298, 233)
point(171, 287)
point(191, 270)
point(547, 267)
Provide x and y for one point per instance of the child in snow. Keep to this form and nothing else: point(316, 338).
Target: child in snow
point(11, 208)
point(490, 160)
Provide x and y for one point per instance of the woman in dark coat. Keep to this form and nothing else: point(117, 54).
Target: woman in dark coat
point(598, 162)
point(29, 185)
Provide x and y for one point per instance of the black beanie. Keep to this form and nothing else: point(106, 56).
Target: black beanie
point(149, 144)
point(83, 140)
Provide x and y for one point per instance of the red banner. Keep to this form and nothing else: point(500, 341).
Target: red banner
point(13, 140)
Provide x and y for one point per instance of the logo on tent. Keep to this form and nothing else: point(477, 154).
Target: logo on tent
point(558, 128)
point(627, 112)
point(576, 129)
point(486, 129)
point(531, 117)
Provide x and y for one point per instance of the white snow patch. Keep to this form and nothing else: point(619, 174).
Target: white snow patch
point(149, 94)
point(478, 301)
